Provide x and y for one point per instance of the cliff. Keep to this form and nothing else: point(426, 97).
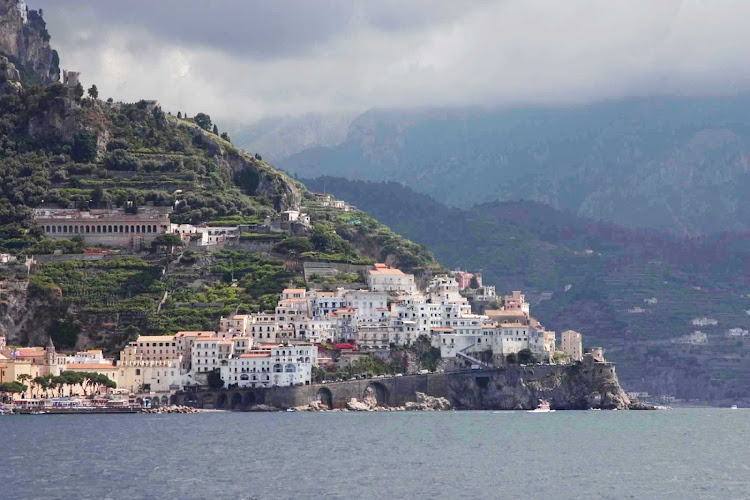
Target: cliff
point(24, 40)
point(576, 387)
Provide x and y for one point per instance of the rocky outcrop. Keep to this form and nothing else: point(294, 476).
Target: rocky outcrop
point(577, 387)
point(428, 403)
point(25, 41)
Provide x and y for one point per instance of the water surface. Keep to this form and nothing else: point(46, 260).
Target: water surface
point(685, 453)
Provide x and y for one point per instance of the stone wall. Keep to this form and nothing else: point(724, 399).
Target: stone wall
point(575, 387)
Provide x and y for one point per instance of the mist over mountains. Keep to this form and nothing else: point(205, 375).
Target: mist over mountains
point(679, 164)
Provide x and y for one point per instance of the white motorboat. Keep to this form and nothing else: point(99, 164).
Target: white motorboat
point(542, 408)
point(734, 407)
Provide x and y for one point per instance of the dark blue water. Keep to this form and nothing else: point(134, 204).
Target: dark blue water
point(688, 453)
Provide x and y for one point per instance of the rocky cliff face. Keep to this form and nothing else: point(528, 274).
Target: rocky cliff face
point(25, 41)
point(577, 387)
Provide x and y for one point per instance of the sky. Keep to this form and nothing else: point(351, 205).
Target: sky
point(244, 60)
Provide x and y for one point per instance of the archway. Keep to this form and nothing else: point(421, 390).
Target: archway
point(236, 401)
point(378, 392)
point(173, 399)
point(250, 399)
point(164, 401)
point(221, 401)
point(326, 397)
point(155, 402)
point(208, 401)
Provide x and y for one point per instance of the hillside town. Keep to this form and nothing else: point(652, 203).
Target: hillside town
point(283, 347)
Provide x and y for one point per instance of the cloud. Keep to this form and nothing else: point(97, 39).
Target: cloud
point(241, 61)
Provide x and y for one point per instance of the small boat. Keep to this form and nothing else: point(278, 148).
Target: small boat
point(290, 409)
point(542, 408)
point(734, 407)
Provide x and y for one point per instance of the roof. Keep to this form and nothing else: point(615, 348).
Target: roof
point(94, 351)
point(441, 329)
point(256, 355)
point(294, 290)
point(89, 366)
point(194, 334)
point(513, 325)
point(29, 352)
point(155, 338)
point(384, 270)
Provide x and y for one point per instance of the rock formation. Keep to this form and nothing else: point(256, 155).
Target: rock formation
point(576, 387)
point(24, 40)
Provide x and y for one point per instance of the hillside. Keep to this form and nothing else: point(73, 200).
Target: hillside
point(63, 147)
point(595, 278)
point(679, 164)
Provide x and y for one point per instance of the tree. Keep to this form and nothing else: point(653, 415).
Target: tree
point(94, 92)
point(12, 388)
point(97, 196)
point(179, 115)
point(225, 136)
point(84, 148)
point(78, 91)
point(474, 283)
point(216, 130)
point(214, 379)
point(511, 358)
point(203, 121)
point(42, 381)
point(525, 357)
point(24, 378)
point(168, 240)
point(294, 246)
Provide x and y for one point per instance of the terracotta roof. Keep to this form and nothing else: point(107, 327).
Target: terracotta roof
point(441, 329)
point(513, 325)
point(155, 338)
point(89, 366)
point(194, 334)
point(294, 290)
point(256, 355)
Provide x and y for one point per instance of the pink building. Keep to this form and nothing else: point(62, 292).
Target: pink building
point(464, 279)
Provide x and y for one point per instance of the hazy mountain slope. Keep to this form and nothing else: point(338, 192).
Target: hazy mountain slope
point(678, 164)
point(609, 271)
point(276, 138)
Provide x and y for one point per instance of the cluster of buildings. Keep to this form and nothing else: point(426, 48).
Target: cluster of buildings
point(280, 347)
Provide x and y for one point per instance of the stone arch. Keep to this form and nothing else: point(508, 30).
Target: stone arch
point(244, 376)
point(143, 228)
point(148, 228)
point(378, 391)
point(290, 368)
point(155, 402)
point(88, 229)
point(139, 401)
point(236, 401)
point(49, 229)
point(173, 399)
point(154, 228)
point(121, 228)
point(221, 402)
point(109, 229)
point(277, 368)
point(137, 229)
point(250, 398)
point(164, 400)
point(75, 229)
point(208, 401)
point(132, 228)
point(325, 396)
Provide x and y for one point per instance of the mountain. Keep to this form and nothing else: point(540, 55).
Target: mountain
point(276, 138)
point(24, 42)
point(62, 149)
point(597, 278)
point(679, 164)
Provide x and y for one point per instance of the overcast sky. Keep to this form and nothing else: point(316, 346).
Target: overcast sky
point(241, 60)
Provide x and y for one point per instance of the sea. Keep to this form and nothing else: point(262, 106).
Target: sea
point(680, 454)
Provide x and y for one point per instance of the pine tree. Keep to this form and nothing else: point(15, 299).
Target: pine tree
point(216, 130)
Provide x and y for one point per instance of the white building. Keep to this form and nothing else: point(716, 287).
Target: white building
point(271, 365)
point(384, 278)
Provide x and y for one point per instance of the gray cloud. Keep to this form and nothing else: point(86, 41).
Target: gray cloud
point(245, 60)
